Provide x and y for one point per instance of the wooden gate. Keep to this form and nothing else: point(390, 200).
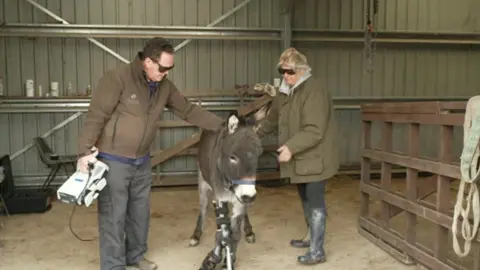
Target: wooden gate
point(411, 219)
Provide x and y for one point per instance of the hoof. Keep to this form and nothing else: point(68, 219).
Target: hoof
point(194, 242)
point(210, 262)
point(250, 238)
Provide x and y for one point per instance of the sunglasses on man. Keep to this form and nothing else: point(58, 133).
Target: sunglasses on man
point(163, 69)
point(288, 71)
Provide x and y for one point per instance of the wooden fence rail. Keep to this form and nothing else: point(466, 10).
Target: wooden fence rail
point(421, 234)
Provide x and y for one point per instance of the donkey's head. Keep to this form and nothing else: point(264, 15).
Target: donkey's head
point(240, 150)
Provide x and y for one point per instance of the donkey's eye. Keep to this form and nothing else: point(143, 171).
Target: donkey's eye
point(233, 159)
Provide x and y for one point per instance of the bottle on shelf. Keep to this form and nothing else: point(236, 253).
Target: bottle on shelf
point(2, 92)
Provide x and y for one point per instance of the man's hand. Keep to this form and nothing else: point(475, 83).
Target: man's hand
point(82, 163)
point(284, 154)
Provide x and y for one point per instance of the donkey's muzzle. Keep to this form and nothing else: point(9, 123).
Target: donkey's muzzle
point(244, 190)
point(248, 199)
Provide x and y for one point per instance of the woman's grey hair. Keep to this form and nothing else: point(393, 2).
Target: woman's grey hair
point(294, 59)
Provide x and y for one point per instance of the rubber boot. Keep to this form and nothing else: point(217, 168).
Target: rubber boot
point(302, 243)
point(305, 242)
point(316, 253)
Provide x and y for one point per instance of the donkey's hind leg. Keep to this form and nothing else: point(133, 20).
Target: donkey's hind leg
point(204, 193)
point(247, 228)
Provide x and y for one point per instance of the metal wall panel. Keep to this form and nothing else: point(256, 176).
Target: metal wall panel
point(398, 69)
point(77, 62)
point(404, 15)
point(405, 70)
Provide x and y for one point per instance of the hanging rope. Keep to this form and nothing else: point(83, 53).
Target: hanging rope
point(470, 174)
point(369, 35)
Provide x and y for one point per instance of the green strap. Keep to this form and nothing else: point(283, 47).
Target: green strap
point(469, 175)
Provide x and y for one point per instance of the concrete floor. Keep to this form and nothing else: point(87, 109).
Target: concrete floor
point(44, 241)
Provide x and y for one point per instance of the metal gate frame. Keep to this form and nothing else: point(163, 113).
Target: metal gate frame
point(404, 246)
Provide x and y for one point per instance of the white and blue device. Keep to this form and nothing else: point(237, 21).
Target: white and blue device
point(83, 188)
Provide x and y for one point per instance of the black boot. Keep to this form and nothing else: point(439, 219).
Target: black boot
point(305, 242)
point(302, 243)
point(315, 254)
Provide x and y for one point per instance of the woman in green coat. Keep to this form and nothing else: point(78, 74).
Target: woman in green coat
point(302, 114)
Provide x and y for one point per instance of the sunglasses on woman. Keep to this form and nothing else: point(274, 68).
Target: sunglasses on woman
point(288, 71)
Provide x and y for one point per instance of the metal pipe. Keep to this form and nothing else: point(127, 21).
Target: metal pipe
point(231, 33)
point(124, 31)
point(64, 22)
point(217, 21)
point(213, 104)
point(399, 37)
point(83, 110)
point(287, 24)
point(40, 100)
point(37, 101)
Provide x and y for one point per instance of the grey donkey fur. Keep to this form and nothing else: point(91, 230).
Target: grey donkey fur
point(231, 154)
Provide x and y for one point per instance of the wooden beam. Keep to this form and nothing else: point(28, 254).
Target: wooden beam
point(419, 164)
point(418, 107)
point(424, 189)
point(173, 124)
point(188, 142)
point(454, 119)
point(254, 105)
point(173, 151)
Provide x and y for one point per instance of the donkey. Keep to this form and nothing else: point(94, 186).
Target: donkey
point(204, 190)
point(227, 166)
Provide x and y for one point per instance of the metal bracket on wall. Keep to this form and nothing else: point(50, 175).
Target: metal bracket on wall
point(104, 47)
point(287, 11)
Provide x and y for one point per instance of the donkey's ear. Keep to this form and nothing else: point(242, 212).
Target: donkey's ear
point(232, 123)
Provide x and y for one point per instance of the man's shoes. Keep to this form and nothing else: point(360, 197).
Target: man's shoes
point(315, 254)
point(142, 265)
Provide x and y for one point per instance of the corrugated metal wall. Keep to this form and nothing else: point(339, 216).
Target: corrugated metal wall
point(399, 70)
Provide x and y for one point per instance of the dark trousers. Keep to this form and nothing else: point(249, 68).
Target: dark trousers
point(124, 214)
point(312, 196)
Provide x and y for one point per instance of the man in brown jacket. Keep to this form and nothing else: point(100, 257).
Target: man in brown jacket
point(120, 127)
point(308, 154)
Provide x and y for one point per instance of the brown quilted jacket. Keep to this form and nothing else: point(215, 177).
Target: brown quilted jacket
point(121, 119)
point(305, 122)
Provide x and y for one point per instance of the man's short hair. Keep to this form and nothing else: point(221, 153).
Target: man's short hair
point(155, 47)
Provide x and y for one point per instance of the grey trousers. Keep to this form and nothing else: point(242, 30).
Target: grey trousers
point(124, 214)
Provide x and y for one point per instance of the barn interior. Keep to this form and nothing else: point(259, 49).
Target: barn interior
point(400, 75)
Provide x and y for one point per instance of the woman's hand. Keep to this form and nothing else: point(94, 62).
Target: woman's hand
point(284, 154)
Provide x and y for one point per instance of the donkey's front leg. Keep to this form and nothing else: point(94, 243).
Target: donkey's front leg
point(214, 257)
point(238, 214)
point(247, 228)
point(204, 193)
